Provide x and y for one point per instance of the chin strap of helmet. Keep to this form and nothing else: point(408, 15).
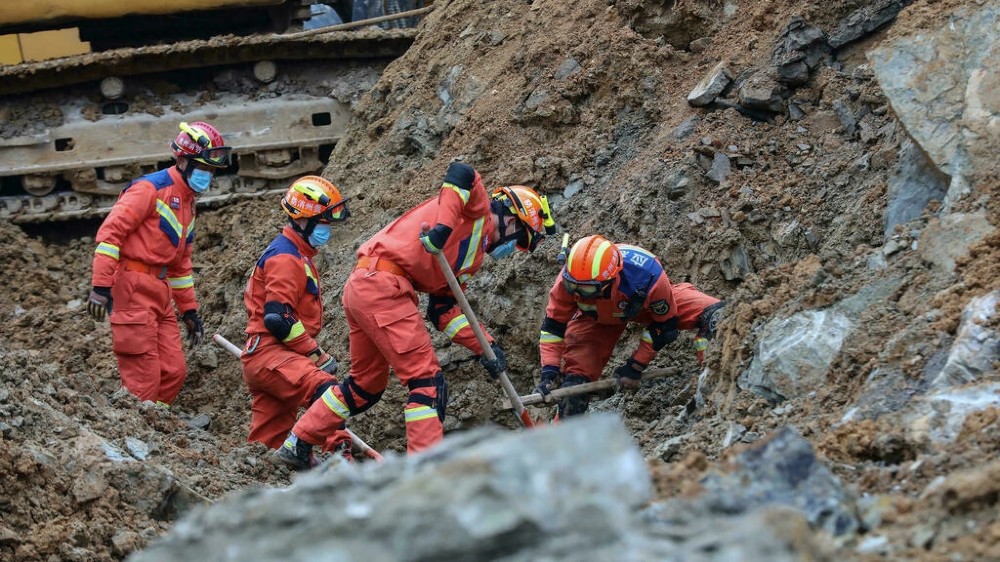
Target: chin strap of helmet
point(306, 232)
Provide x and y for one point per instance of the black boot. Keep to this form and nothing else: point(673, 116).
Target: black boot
point(295, 453)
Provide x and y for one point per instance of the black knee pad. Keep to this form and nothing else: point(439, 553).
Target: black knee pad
point(350, 389)
point(321, 389)
point(440, 402)
point(573, 405)
point(708, 320)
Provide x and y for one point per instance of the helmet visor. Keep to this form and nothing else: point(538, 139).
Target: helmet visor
point(583, 289)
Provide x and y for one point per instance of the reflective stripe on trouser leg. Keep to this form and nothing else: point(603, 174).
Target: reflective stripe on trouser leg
point(425, 412)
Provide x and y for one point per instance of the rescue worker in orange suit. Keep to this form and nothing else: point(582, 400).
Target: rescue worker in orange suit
point(602, 287)
point(380, 303)
point(283, 366)
point(142, 266)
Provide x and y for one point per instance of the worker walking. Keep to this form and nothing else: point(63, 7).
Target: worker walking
point(142, 266)
point(283, 366)
point(602, 287)
point(380, 303)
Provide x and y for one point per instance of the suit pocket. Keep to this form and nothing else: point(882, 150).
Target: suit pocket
point(404, 328)
point(132, 332)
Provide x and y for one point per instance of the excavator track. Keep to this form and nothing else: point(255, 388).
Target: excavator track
point(75, 131)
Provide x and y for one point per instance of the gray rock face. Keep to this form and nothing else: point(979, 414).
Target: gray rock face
point(976, 347)
point(938, 417)
point(554, 492)
point(932, 78)
point(783, 470)
point(914, 184)
point(793, 355)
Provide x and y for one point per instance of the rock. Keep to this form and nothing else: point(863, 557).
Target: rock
point(759, 91)
point(700, 44)
point(942, 86)
point(569, 67)
point(783, 470)
point(866, 19)
point(710, 86)
point(481, 494)
point(200, 421)
point(913, 184)
point(799, 43)
point(686, 128)
point(669, 449)
point(137, 448)
point(793, 355)
point(846, 117)
point(123, 542)
point(736, 265)
point(939, 416)
point(573, 188)
point(90, 486)
point(733, 433)
point(720, 168)
point(942, 242)
point(976, 347)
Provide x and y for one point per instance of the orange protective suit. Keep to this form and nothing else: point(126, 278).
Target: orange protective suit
point(579, 335)
point(690, 304)
point(144, 255)
point(279, 374)
point(386, 328)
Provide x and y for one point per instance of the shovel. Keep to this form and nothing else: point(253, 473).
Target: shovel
point(586, 388)
point(368, 451)
point(456, 290)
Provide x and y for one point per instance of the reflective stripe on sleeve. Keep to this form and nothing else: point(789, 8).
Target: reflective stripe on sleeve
point(109, 250)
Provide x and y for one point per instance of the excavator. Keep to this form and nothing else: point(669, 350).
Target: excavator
point(91, 91)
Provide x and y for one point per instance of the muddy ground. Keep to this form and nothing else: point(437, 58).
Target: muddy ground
point(585, 101)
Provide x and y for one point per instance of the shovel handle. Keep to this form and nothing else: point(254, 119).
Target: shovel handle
point(456, 290)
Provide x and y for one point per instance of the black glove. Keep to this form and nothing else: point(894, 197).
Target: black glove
point(435, 238)
point(550, 374)
point(498, 365)
point(629, 375)
point(194, 328)
point(99, 303)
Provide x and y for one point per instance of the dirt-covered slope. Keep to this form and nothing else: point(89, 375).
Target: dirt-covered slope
point(779, 211)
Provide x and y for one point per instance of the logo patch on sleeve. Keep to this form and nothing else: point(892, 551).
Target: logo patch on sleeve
point(660, 307)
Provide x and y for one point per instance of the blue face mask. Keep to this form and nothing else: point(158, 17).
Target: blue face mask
point(199, 180)
point(504, 250)
point(320, 235)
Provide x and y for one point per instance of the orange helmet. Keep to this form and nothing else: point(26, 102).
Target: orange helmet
point(202, 143)
point(533, 211)
point(593, 263)
point(314, 197)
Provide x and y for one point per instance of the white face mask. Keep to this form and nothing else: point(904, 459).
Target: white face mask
point(199, 180)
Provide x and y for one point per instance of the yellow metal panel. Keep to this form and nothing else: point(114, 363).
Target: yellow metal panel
point(26, 11)
point(45, 45)
point(10, 50)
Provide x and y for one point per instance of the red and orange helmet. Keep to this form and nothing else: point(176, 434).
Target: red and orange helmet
point(533, 211)
point(314, 197)
point(201, 142)
point(593, 263)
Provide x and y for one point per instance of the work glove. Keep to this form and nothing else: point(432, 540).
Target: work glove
point(99, 303)
point(327, 363)
point(550, 374)
point(629, 376)
point(194, 328)
point(435, 238)
point(498, 365)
